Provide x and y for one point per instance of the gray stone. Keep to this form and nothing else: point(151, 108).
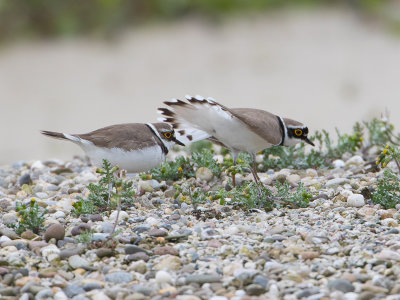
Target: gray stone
point(9, 291)
point(137, 256)
point(255, 289)
point(336, 182)
point(342, 285)
point(103, 252)
point(107, 227)
point(64, 254)
point(141, 228)
point(76, 262)
point(44, 294)
point(119, 277)
point(25, 179)
point(73, 289)
point(10, 218)
point(98, 236)
point(157, 232)
point(77, 230)
point(261, 280)
point(203, 278)
point(9, 233)
point(131, 249)
point(92, 286)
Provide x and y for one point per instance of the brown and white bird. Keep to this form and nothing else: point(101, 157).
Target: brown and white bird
point(134, 147)
point(238, 129)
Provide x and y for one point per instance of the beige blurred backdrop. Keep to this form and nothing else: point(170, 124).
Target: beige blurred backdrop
point(325, 67)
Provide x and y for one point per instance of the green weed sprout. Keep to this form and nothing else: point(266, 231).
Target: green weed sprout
point(387, 193)
point(30, 217)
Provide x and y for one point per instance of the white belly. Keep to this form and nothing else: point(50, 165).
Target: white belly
point(132, 161)
point(235, 134)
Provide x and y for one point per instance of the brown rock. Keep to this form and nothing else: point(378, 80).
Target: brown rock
point(166, 250)
point(388, 214)
point(28, 235)
point(3, 271)
point(56, 231)
point(309, 255)
point(77, 230)
point(350, 277)
point(157, 232)
point(214, 243)
point(24, 280)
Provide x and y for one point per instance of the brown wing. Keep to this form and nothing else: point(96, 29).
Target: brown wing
point(126, 136)
point(263, 123)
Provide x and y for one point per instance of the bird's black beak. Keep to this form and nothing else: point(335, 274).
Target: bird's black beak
point(308, 141)
point(177, 141)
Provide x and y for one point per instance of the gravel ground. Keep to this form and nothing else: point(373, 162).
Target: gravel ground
point(340, 247)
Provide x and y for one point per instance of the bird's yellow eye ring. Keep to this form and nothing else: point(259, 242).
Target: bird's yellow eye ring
point(168, 135)
point(298, 132)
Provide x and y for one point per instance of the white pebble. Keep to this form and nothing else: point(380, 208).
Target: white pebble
point(163, 277)
point(59, 215)
point(4, 238)
point(389, 222)
point(356, 200)
point(356, 160)
point(50, 252)
point(152, 221)
point(38, 165)
point(122, 215)
point(338, 163)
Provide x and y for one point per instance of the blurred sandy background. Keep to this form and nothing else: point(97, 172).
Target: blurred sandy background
point(328, 66)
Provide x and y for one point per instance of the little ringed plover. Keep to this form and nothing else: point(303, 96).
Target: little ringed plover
point(238, 129)
point(134, 147)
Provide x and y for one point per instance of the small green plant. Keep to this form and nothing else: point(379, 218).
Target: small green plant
point(191, 194)
point(252, 196)
point(279, 157)
point(204, 158)
point(30, 217)
point(300, 198)
point(388, 154)
point(173, 170)
point(346, 142)
point(381, 132)
point(85, 236)
point(111, 190)
point(387, 192)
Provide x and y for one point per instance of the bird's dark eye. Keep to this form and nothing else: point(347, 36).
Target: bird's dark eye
point(168, 135)
point(298, 132)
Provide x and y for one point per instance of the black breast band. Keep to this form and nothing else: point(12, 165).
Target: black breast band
point(282, 128)
point(161, 144)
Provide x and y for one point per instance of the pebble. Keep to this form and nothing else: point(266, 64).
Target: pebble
point(25, 179)
point(157, 232)
point(119, 277)
point(138, 256)
point(169, 263)
point(329, 250)
point(55, 231)
point(338, 163)
point(336, 182)
point(202, 278)
point(77, 261)
point(342, 285)
point(166, 250)
point(356, 200)
point(204, 174)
